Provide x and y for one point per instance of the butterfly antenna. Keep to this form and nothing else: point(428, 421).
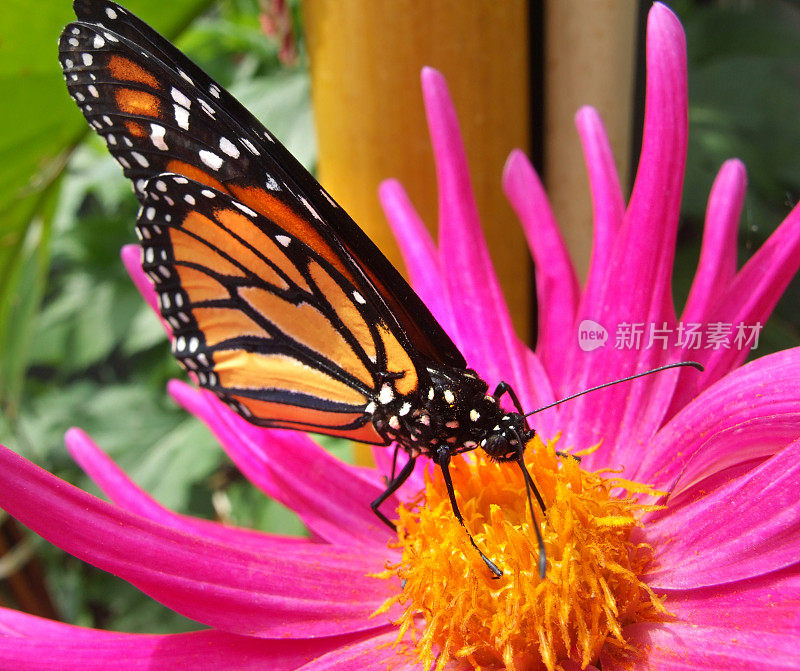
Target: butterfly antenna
point(680, 364)
point(530, 486)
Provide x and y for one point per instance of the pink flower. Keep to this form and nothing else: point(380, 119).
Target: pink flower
point(725, 444)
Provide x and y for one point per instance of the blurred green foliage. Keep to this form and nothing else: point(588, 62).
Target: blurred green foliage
point(78, 346)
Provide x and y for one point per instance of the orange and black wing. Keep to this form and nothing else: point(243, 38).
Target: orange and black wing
point(159, 112)
point(261, 317)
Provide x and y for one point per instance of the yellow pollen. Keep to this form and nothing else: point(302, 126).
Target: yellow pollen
point(454, 610)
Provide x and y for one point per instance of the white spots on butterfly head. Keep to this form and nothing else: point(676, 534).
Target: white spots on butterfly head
point(272, 184)
point(228, 147)
point(359, 298)
point(110, 13)
point(157, 134)
point(404, 409)
point(449, 396)
point(425, 419)
point(245, 209)
point(87, 59)
point(189, 198)
point(181, 117)
point(394, 422)
point(98, 42)
point(211, 159)
point(474, 415)
point(283, 240)
point(452, 424)
point(370, 407)
point(431, 394)
point(141, 160)
point(386, 394)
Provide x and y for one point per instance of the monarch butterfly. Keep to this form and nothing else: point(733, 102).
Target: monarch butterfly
point(277, 301)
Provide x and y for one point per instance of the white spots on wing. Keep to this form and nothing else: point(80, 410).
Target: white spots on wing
point(123, 162)
point(108, 120)
point(98, 42)
point(268, 136)
point(150, 213)
point(180, 343)
point(202, 359)
point(157, 134)
point(182, 117)
point(228, 147)
point(141, 160)
point(96, 125)
point(309, 208)
point(186, 77)
point(211, 159)
point(76, 31)
point(189, 198)
point(79, 96)
point(283, 240)
point(73, 77)
point(194, 343)
point(359, 298)
point(386, 395)
point(370, 407)
point(180, 98)
point(73, 42)
point(149, 256)
point(327, 197)
point(69, 64)
point(250, 146)
point(206, 107)
point(164, 272)
point(271, 184)
point(213, 90)
point(160, 185)
point(87, 59)
point(127, 141)
point(208, 194)
point(110, 37)
point(180, 180)
point(245, 209)
point(93, 90)
point(110, 13)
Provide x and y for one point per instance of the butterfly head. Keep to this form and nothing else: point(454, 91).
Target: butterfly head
point(507, 439)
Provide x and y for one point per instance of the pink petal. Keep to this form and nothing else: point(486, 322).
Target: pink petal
point(132, 259)
point(376, 653)
point(36, 644)
point(418, 249)
point(556, 282)
point(608, 203)
point(767, 603)
point(125, 493)
point(683, 646)
point(637, 286)
point(717, 265)
point(745, 529)
point(331, 497)
point(748, 300)
point(751, 413)
point(482, 322)
point(307, 590)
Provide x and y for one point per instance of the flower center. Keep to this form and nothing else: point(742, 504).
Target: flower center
point(456, 611)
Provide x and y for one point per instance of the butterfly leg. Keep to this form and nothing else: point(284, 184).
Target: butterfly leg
point(393, 486)
point(443, 460)
point(394, 461)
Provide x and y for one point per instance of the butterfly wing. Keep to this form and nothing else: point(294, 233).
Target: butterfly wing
point(158, 112)
point(260, 317)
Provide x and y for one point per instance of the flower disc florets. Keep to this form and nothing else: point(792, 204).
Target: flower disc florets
point(455, 610)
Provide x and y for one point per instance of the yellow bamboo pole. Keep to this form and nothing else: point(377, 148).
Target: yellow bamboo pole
point(366, 56)
point(590, 56)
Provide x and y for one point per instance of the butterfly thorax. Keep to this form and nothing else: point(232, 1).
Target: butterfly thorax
point(454, 410)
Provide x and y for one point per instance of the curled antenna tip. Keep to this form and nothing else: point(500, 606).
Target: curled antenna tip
point(695, 364)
